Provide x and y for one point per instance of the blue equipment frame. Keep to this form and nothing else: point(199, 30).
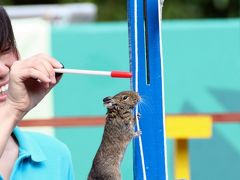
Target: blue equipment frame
point(144, 20)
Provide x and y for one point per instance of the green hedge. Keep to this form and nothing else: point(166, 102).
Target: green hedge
point(112, 10)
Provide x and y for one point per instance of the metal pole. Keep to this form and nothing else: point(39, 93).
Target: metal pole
point(144, 18)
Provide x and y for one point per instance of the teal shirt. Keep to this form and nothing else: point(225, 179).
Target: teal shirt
point(41, 158)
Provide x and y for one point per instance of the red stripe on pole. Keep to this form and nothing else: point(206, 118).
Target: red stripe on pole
point(121, 74)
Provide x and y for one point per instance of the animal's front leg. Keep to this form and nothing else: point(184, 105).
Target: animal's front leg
point(136, 117)
point(137, 133)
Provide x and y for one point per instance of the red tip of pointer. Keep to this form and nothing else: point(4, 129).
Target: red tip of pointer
point(120, 74)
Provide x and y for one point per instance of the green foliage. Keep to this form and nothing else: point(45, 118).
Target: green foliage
point(178, 9)
point(108, 10)
point(114, 10)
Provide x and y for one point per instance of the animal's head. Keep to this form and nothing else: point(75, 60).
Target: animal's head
point(123, 100)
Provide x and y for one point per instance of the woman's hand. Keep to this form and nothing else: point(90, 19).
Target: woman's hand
point(30, 80)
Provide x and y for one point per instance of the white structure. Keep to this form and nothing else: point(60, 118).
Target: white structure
point(63, 13)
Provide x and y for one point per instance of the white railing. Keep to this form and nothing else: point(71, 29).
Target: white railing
point(63, 13)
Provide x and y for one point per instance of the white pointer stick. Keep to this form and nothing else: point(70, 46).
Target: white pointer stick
point(113, 74)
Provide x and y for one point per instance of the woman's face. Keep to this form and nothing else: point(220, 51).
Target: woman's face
point(6, 61)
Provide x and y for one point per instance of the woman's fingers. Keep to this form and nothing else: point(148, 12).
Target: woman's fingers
point(38, 75)
point(41, 63)
point(52, 61)
point(30, 80)
point(49, 70)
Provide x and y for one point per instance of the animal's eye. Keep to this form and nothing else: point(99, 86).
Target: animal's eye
point(125, 97)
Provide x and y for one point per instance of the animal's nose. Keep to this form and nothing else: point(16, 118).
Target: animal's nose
point(107, 99)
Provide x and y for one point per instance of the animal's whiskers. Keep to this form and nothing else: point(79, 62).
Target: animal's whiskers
point(118, 132)
point(143, 105)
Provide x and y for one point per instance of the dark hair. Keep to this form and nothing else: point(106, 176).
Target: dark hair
point(7, 39)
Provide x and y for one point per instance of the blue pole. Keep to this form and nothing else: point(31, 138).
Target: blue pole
point(144, 19)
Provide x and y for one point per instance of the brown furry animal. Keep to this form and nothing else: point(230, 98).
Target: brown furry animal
point(117, 134)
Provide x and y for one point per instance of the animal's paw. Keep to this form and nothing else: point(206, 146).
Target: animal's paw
point(137, 133)
point(138, 115)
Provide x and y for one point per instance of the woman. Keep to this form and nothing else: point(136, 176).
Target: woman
point(23, 84)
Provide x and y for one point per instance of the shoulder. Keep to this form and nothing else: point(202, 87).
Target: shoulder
point(55, 151)
point(48, 151)
point(48, 143)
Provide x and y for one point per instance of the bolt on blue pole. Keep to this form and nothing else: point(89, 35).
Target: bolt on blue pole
point(144, 22)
